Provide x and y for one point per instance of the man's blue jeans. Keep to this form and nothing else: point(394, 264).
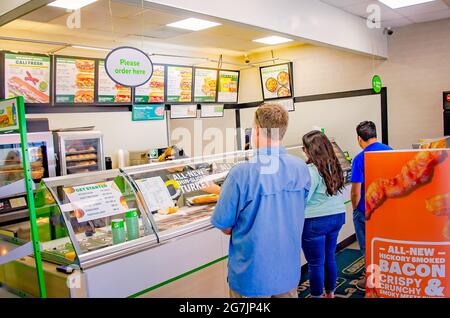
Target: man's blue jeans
point(359, 220)
point(319, 246)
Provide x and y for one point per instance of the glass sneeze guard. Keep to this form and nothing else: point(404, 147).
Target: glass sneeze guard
point(101, 212)
point(180, 196)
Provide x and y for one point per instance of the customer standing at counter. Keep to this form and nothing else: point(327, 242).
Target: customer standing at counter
point(367, 140)
point(325, 213)
point(262, 206)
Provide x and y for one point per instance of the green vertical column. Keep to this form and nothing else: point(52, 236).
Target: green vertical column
point(30, 195)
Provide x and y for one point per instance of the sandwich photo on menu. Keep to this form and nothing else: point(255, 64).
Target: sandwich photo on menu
point(85, 80)
point(123, 94)
point(87, 66)
point(18, 87)
point(84, 96)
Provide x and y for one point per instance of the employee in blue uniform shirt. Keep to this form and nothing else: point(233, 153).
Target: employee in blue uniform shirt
point(262, 205)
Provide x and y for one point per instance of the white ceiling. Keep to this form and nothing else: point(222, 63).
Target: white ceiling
point(112, 23)
point(434, 10)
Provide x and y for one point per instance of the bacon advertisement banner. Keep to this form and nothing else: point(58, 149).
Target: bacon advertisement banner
point(408, 224)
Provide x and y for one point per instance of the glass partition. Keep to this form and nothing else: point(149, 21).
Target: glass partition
point(100, 210)
point(181, 195)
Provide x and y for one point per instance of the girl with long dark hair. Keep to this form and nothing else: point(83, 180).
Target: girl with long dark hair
point(324, 214)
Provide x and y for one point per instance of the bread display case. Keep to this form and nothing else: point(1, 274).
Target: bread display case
point(79, 151)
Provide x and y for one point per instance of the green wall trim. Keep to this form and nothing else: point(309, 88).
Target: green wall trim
point(177, 277)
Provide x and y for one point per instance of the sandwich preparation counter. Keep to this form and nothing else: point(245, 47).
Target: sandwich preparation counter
point(139, 231)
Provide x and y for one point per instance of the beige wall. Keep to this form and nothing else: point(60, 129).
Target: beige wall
point(416, 74)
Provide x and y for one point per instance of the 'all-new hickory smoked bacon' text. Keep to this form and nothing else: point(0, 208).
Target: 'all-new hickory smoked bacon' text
point(413, 174)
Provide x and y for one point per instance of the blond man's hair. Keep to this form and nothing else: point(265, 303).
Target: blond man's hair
point(273, 119)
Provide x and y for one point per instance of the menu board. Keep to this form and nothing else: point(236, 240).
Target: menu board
point(205, 85)
point(209, 111)
point(27, 76)
point(108, 90)
point(155, 192)
point(228, 87)
point(95, 201)
point(179, 84)
point(276, 81)
point(75, 79)
point(183, 111)
point(153, 90)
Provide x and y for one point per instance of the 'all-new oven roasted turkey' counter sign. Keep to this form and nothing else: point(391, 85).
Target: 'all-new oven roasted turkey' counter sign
point(95, 201)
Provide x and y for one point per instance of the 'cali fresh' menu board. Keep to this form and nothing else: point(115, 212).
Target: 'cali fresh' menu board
point(95, 201)
point(179, 84)
point(228, 87)
point(153, 90)
point(27, 76)
point(108, 90)
point(75, 79)
point(276, 81)
point(205, 85)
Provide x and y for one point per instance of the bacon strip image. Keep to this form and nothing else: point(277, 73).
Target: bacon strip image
point(439, 205)
point(413, 174)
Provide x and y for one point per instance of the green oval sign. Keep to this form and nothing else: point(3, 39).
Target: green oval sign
point(377, 84)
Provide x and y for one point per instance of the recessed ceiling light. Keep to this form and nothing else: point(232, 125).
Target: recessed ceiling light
point(193, 24)
point(395, 4)
point(71, 4)
point(272, 40)
point(90, 48)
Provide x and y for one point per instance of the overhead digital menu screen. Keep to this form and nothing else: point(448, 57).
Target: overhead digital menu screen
point(276, 81)
point(228, 87)
point(74, 80)
point(205, 85)
point(179, 84)
point(27, 76)
point(153, 90)
point(108, 90)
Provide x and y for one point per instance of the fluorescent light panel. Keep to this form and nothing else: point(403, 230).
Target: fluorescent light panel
point(395, 4)
point(89, 48)
point(272, 40)
point(193, 24)
point(71, 4)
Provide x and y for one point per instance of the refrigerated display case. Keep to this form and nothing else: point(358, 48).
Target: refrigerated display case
point(79, 152)
point(13, 202)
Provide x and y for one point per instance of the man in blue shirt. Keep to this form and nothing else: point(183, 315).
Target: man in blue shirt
point(367, 140)
point(261, 206)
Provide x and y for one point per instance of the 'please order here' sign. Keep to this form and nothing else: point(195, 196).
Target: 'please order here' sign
point(128, 66)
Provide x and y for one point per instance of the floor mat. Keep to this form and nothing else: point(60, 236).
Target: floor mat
point(350, 265)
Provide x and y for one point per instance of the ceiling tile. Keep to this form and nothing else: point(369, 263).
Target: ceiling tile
point(419, 9)
point(361, 10)
point(396, 23)
point(431, 16)
point(343, 3)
